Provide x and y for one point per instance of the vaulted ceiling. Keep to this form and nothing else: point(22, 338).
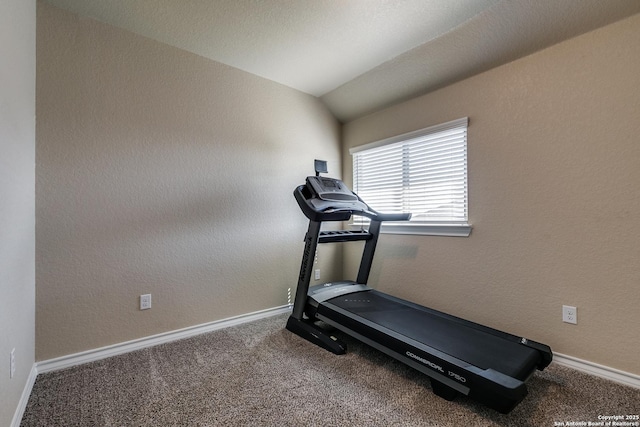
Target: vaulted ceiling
point(358, 55)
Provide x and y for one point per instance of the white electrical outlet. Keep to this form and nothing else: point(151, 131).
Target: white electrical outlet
point(317, 274)
point(12, 363)
point(569, 314)
point(145, 302)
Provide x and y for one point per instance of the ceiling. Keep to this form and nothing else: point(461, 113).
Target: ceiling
point(358, 55)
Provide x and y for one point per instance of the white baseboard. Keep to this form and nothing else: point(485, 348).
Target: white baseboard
point(597, 370)
point(128, 346)
point(24, 399)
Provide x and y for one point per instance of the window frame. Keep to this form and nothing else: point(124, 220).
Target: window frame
point(431, 228)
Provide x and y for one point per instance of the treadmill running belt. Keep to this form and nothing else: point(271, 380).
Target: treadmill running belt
point(456, 337)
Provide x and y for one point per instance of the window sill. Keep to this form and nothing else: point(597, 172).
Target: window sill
point(425, 229)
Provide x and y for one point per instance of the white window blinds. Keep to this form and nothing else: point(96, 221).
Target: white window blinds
point(423, 172)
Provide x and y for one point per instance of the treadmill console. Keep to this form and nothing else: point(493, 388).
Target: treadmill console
point(330, 189)
point(329, 199)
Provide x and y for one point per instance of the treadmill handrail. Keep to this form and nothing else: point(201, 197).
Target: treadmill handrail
point(393, 216)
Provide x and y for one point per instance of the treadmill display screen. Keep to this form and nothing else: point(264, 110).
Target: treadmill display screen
point(329, 183)
point(330, 189)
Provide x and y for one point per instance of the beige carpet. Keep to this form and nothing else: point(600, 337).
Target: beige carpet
point(260, 374)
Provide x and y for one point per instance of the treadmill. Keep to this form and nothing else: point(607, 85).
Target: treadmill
point(459, 356)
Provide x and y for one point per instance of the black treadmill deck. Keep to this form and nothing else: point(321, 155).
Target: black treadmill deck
point(459, 356)
point(477, 345)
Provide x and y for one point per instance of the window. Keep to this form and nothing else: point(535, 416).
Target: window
point(423, 172)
